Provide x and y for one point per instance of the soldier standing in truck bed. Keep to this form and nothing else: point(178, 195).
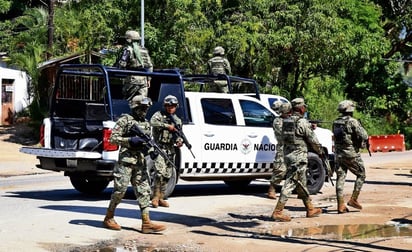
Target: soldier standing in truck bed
point(135, 57)
point(219, 65)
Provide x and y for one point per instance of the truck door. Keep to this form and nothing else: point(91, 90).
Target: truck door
point(258, 130)
point(222, 147)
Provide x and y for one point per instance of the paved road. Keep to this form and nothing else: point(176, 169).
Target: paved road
point(42, 212)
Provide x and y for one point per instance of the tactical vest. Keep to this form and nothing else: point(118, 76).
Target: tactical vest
point(289, 130)
point(218, 66)
point(342, 132)
point(133, 61)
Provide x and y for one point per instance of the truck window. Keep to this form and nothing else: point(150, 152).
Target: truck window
point(255, 114)
point(218, 111)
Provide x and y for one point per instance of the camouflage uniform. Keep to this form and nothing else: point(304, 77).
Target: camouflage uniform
point(161, 122)
point(135, 57)
point(131, 167)
point(279, 168)
point(350, 136)
point(297, 136)
point(219, 65)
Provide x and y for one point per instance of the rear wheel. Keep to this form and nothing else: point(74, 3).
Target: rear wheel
point(315, 174)
point(171, 184)
point(88, 185)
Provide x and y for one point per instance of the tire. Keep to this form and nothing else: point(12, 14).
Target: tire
point(238, 184)
point(170, 187)
point(316, 173)
point(89, 186)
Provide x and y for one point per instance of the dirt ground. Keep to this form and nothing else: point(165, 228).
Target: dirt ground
point(384, 224)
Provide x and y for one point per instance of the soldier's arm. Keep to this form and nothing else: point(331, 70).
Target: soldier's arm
point(119, 133)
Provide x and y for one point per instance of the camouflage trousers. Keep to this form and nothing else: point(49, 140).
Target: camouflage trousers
point(354, 165)
point(219, 86)
point(135, 85)
point(295, 177)
point(164, 169)
point(279, 169)
point(139, 178)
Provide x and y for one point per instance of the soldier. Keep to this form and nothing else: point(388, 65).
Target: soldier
point(135, 57)
point(219, 65)
point(350, 136)
point(279, 168)
point(297, 137)
point(165, 122)
point(132, 165)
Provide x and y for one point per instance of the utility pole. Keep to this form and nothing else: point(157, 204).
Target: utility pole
point(142, 22)
point(50, 29)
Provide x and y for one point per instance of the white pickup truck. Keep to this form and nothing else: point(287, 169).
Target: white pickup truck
point(231, 135)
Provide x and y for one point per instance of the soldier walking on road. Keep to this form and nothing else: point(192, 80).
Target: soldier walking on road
point(297, 137)
point(132, 165)
point(165, 122)
point(350, 136)
point(279, 168)
point(135, 57)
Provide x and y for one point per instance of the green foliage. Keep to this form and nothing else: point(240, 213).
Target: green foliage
point(324, 51)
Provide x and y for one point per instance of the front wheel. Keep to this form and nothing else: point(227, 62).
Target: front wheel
point(315, 174)
point(88, 185)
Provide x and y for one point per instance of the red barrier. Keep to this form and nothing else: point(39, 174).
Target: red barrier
point(387, 143)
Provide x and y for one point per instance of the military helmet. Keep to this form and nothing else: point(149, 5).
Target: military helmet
point(276, 105)
point(298, 102)
point(132, 36)
point(170, 100)
point(285, 108)
point(346, 106)
point(139, 100)
point(219, 51)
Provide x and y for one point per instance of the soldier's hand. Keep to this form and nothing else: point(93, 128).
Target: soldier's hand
point(153, 154)
point(135, 141)
point(171, 128)
point(179, 144)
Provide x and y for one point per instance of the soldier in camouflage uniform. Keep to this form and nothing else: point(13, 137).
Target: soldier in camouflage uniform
point(132, 165)
point(279, 168)
point(297, 136)
point(350, 136)
point(135, 57)
point(219, 65)
point(165, 122)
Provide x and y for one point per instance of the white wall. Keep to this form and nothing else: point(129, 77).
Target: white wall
point(21, 97)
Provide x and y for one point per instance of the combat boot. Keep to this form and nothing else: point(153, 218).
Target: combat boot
point(156, 196)
point(271, 192)
point(341, 205)
point(149, 227)
point(353, 202)
point(310, 210)
point(277, 214)
point(109, 221)
point(162, 202)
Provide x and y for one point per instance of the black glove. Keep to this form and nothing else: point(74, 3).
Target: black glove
point(153, 154)
point(136, 141)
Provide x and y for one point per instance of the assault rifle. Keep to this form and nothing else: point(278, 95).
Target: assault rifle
point(151, 144)
point(179, 133)
point(326, 163)
point(367, 141)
